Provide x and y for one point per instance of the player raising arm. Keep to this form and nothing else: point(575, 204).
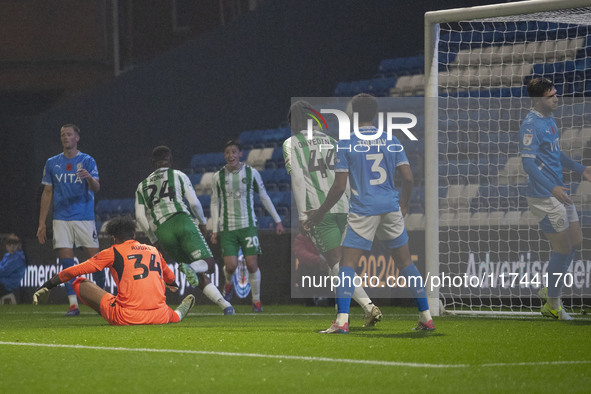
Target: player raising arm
point(140, 273)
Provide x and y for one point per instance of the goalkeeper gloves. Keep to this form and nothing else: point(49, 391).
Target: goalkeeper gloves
point(43, 292)
point(40, 293)
point(172, 286)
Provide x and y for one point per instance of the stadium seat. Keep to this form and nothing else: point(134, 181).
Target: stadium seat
point(342, 89)
point(195, 178)
point(204, 187)
point(252, 155)
point(247, 139)
point(381, 86)
point(282, 179)
point(447, 219)
point(586, 218)
point(402, 85)
point(126, 206)
point(415, 222)
point(277, 156)
point(205, 200)
point(7, 299)
point(102, 209)
point(266, 223)
point(258, 157)
point(199, 162)
point(512, 172)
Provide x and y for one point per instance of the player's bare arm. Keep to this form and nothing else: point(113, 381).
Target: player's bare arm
point(587, 173)
point(93, 183)
point(407, 184)
point(46, 198)
point(559, 192)
point(334, 194)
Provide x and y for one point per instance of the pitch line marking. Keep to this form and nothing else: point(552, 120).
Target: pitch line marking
point(298, 358)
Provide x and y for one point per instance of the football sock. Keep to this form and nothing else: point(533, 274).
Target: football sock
point(342, 318)
point(360, 297)
point(359, 294)
point(212, 292)
point(199, 266)
point(425, 316)
point(228, 275)
point(416, 286)
point(255, 285)
point(67, 263)
point(344, 290)
point(556, 270)
point(568, 261)
point(73, 299)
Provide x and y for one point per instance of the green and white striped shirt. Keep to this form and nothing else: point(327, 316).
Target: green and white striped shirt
point(310, 162)
point(162, 195)
point(232, 198)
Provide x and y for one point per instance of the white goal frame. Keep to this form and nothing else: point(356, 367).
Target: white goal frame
point(432, 21)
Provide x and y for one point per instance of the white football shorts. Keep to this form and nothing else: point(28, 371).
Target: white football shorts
point(388, 227)
point(553, 215)
point(78, 233)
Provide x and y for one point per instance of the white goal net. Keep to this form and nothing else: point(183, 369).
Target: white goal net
point(478, 61)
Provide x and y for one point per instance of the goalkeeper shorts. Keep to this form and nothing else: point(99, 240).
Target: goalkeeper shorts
point(118, 315)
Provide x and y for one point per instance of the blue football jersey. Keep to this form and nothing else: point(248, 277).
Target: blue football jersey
point(72, 198)
point(371, 166)
point(539, 139)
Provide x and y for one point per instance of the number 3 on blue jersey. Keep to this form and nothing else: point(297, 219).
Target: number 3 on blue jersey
point(375, 167)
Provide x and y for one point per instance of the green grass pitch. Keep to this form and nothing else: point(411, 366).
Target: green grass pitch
point(280, 350)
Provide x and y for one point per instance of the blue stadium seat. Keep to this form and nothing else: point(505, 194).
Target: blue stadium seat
point(195, 178)
point(246, 138)
point(381, 86)
point(205, 200)
point(199, 162)
point(267, 176)
point(266, 223)
point(586, 218)
point(282, 179)
point(126, 206)
point(103, 209)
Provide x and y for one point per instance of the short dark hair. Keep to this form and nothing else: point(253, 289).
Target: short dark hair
point(233, 143)
point(13, 239)
point(161, 154)
point(537, 87)
point(121, 227)
point(365, 105)
point(73, 126)
point(297, 115)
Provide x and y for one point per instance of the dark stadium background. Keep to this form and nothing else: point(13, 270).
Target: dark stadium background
point(190, 90)
point(227, 69)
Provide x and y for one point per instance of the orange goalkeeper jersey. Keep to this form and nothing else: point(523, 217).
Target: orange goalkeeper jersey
point(137, 269)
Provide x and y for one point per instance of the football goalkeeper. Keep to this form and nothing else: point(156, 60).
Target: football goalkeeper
point(141, 276)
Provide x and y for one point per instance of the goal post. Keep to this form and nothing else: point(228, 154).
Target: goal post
point(477, 62)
